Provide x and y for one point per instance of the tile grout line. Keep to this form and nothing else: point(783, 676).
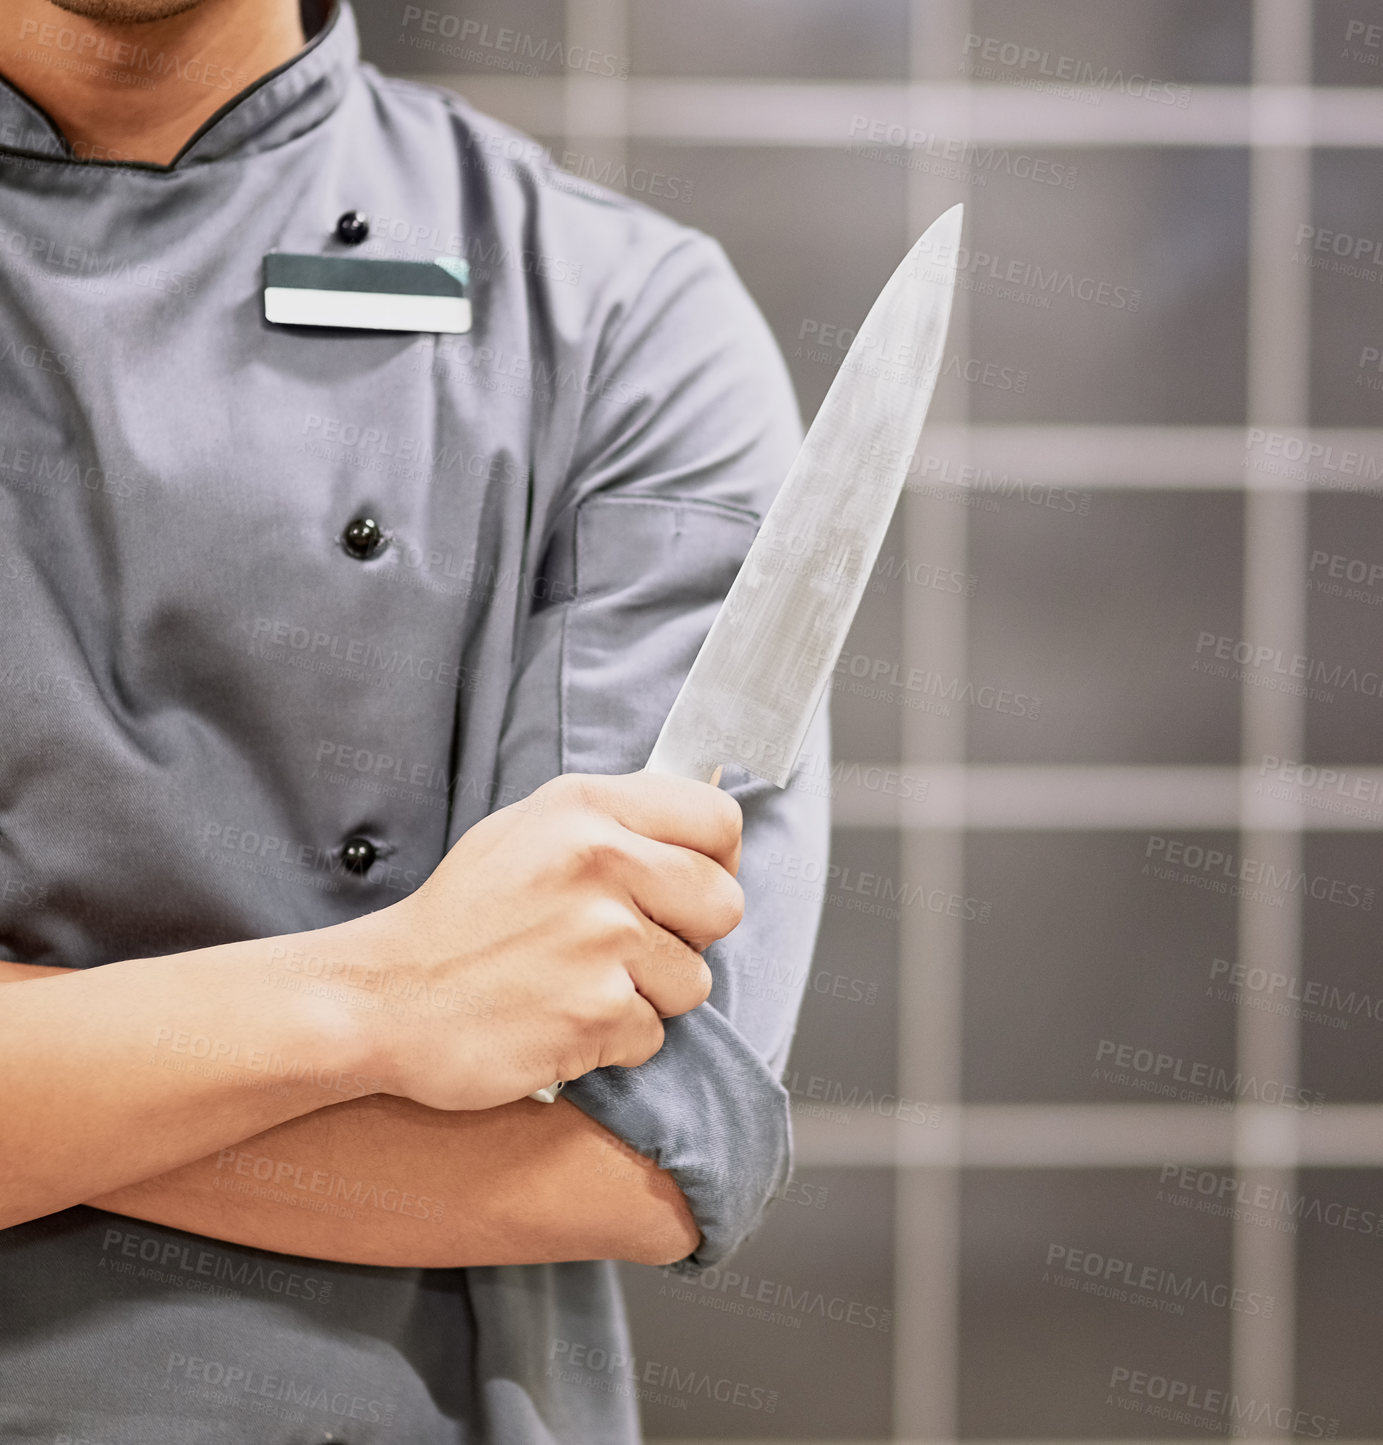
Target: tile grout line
point(794, 113)
point(595, 108)
point(1282, 792)
point(927, 1209)
point(1059, 1136)
point(1275, 542)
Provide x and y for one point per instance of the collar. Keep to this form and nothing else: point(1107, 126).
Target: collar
point(277, 108)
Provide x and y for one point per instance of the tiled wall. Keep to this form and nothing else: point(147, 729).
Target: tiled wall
point(1070, 1228)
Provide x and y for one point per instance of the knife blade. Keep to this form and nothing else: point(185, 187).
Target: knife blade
point(760, 675)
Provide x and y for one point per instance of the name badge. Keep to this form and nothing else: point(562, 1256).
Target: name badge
point(366, 295)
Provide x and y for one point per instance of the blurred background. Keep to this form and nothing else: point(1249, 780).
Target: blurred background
point(1088, 1087)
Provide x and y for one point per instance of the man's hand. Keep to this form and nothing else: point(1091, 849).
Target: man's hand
point(556, 934)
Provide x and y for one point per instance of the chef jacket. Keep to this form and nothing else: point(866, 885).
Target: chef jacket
point(288, 609)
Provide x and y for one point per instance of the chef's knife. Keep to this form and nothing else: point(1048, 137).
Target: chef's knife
point(760, 674)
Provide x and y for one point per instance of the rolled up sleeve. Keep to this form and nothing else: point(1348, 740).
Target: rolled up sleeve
point(691, 431)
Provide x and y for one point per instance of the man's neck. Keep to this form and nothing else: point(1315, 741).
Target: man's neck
point(140, 91)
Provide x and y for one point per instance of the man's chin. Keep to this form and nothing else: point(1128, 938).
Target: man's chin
point(126, 12)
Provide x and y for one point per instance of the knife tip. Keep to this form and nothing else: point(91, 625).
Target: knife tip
point(948, 223)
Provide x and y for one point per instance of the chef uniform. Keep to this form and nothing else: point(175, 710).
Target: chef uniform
point(287, 610)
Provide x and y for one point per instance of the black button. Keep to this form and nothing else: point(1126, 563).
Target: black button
point(363, 537)
point(352, 228)
point(358, 854)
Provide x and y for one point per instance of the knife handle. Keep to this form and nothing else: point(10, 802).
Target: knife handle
point(655, 764)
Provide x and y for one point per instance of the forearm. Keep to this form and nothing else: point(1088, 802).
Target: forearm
point(115, 1074)
point(384, 1181)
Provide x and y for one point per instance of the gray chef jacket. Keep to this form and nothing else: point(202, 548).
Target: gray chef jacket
point(219, 721)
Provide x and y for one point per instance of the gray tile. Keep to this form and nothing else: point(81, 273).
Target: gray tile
point(1339, 994)
point(1346, 292)
point(813, 233)
point(465, 37)
point(1344, 630)
point(1348, 42)
point(1098, 617)
point(1124, 297)
point(802, 39)
point(805, 1309)
point(1182, 41)
point(1339, 1281)
point(1090, 982)
point(1041, 1351)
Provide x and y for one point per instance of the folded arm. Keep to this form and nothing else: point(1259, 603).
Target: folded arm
point(385, 1181)
point(381, 1180)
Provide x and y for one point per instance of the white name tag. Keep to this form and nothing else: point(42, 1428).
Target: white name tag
point(366, 295)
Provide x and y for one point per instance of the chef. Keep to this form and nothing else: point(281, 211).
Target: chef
point(368, 485)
